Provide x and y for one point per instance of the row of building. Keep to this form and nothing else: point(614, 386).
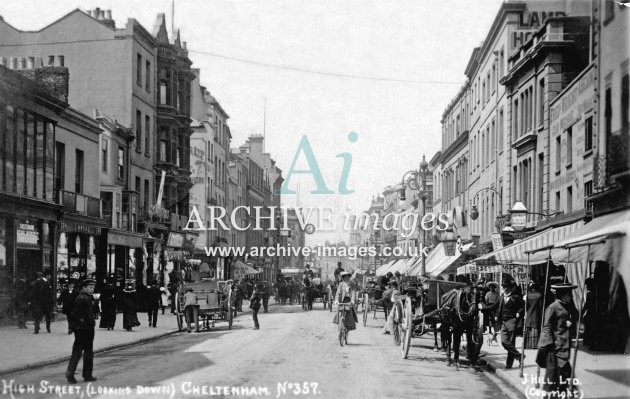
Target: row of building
point(108, 139)
point(541, 121)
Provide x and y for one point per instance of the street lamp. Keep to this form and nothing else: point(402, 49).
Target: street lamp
point(417, 180)
point(449, 238)
point(518, 215)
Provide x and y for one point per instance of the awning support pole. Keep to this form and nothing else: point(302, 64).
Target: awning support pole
point(577, 327)
point(544, 308)
point(524, 320)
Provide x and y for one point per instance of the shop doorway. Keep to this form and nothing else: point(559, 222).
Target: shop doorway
point(28, 262)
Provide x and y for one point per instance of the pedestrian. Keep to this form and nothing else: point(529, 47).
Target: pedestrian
point(82, 316)
point(510, 311)
point(20, 302)
point(130, 314)
point(154, 302)
point(533, 317)
point(190, 308)
point(389, 297)
point(491, 301)
point(166, 301)
point(555, 341)
point(41, 301)
point(337, 272)
point(266, 294)
point(254, 303)
point(108, 304)
point(66, 300)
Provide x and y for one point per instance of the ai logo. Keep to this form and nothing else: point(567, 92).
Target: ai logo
point(314, 170)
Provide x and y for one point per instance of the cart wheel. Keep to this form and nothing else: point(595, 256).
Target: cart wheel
point(180, 322)
point(407, 328)
point(398, 322)
point(230, 311)
point(365, 309)
point(179, 313)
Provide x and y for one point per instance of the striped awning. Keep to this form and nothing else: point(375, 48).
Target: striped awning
point(437, 261)
point(382, 270)
point(516, 252)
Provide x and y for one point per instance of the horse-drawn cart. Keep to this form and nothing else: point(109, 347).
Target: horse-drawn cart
point(215, 302)
point(417, 311)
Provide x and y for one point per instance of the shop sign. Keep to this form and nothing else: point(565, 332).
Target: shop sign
point(79, 228)
point(27, 233)
point(175, 240)
point(125, 240)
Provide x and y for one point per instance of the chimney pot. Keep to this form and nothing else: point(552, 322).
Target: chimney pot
point(97, 12)
point(184, 45)
point(2, 61)
point(108, 14)
point(22, 63)
point(102, 16)
point(11, 63)
point(30, 63)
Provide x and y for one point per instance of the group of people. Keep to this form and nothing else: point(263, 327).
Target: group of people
point(36, 298)
point(512, 313)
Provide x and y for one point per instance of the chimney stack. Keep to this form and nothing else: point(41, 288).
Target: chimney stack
point(107, 19)
point(97, 13)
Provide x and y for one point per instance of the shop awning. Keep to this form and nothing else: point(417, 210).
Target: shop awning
point(608, 236)
point(437, 261)
point(241, 268)
point(402, 266)
point(515, 254)
point(387, 267)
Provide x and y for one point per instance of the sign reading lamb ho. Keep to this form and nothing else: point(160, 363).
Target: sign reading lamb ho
point(321, 217)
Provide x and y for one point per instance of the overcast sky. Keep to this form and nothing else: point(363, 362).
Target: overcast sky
point(426, 41)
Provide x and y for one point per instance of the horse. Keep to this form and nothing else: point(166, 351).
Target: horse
point(460, 314)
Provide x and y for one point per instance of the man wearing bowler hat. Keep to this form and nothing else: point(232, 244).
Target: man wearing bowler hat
point(555, 340)
point(83, 327)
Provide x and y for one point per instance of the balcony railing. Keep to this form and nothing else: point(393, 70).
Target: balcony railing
point(80, 204)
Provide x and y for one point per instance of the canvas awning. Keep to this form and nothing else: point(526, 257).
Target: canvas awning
point(241, 268)
point(516, 254)
point(387, 267)
point(608, 236)
point(437, 261)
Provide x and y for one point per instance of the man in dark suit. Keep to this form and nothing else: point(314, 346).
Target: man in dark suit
point(41, 302)
point(555, 340)
point(82, 320)
point(154, 302)
point(511, 307)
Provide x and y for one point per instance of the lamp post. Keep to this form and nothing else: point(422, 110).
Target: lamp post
point(417, 180)
point(474, 212)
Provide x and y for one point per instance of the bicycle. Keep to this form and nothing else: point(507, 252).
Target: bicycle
point(342, 310)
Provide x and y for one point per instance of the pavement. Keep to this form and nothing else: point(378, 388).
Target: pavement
point(598, 375)
point(49, 348)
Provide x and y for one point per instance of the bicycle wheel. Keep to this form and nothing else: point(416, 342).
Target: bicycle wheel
point(341, 338)
point(365, 309)
point(407, 325)
point(345, 336)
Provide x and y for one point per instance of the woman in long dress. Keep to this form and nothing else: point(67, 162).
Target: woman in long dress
point(344, 295)
point(108, 307)
point(130, 315)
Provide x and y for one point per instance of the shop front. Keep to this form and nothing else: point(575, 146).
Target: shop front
point(76, 251)
point(123, 257)
point(27, 246)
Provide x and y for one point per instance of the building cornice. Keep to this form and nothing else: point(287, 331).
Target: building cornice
point(459, 143)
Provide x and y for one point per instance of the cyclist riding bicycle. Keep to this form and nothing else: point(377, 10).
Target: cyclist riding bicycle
point(344, 295)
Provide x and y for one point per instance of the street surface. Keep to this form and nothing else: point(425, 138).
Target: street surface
point(292, 346)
